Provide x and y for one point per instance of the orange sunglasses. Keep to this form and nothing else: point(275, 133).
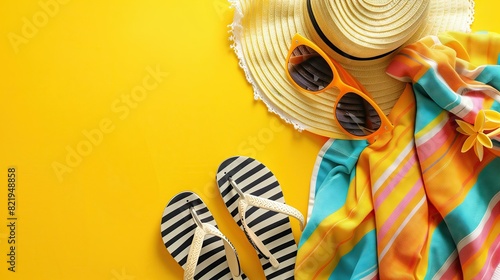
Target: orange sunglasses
point(312, 71)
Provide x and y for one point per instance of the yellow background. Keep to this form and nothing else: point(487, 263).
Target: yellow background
point(110, 108)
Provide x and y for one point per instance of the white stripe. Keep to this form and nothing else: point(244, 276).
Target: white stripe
point(232, 165)
point(247, 169)
point(243, 184)
point(466, 104)
point(424, 138)
point(312, 186)
point(393, 166)
point(436, 40)
point(492, 92)
point(213, 258)
point(175, 236)
point(278, 242)
point(175, 233)
point(496, 274)
point(369, 276)
point(403, 225)
point(264, 223)
point(479, 229)
point(257, 216)
point(433, 64)
point(472, 74)
point(489, 265)
point(439, 274)
point(250, 180)
point(262, 184)
point(465, 107)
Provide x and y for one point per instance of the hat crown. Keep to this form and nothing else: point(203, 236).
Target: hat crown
point(263, 30)
point(367, 28)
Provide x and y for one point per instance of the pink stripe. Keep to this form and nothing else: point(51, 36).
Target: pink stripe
point(470, 117)
point(397, 212)
point(492, 261)
point(475, 245)
point(429, 147)
point(395, 182)
point(454, 271)
point(477, 98)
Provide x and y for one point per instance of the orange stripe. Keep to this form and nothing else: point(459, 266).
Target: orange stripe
point(463, 175)
point(327, 269)
point(358, 207)
point(346, 214)
point(476, 263)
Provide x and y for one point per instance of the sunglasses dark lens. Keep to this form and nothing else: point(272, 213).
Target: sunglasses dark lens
point(356, 115)
point(309, 69)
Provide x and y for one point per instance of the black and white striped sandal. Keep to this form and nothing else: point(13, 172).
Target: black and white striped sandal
point(254, 198)
point(191, 236)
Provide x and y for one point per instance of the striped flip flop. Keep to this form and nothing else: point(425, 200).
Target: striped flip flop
point(254, 198)
point(191, 236)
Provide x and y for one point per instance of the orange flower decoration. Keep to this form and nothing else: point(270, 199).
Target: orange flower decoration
point(486, 126)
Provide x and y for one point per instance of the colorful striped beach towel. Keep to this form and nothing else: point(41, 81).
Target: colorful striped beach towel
point(423, 201)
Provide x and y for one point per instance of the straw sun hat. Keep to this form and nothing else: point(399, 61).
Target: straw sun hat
point(363, 35)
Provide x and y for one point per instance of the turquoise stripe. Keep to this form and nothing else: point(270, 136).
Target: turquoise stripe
point(335, 173)
point(432, 96)
point(490, 75)
point(462, 221)
point(341, 154)
point(495, 106)
point(427, 110)
point(327, 164)
point(433, 85)
point(441, 248)
point(360, 261)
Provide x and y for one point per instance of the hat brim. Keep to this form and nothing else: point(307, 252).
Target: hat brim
point(262, 33)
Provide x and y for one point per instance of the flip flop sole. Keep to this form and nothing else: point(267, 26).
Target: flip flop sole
point(272, 228)
point(177, 231)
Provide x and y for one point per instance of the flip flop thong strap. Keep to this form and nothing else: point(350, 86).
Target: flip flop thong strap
point(276, 207)
point(267, 204)
point(201, 231)
point(194, 253)
point(254, 239)
point(264, 203)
